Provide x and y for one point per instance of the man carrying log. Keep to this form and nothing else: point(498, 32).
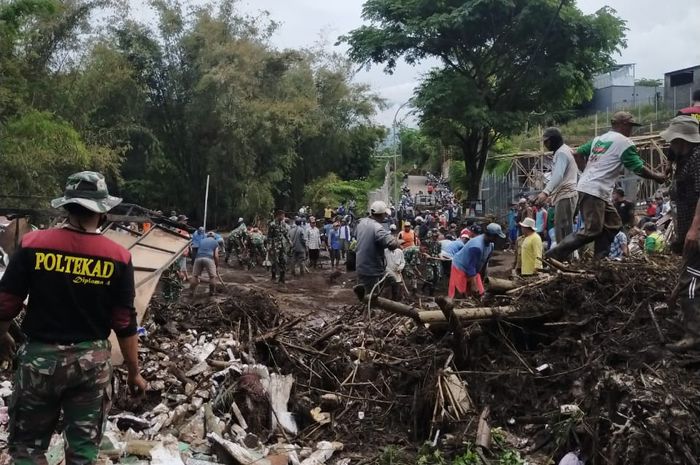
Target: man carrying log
point(684, 137)
point(469, 265)
point(601, 161)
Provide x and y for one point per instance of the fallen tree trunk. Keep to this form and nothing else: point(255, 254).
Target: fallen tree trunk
point(435, 316)
point(500, 285)
point(467, 314)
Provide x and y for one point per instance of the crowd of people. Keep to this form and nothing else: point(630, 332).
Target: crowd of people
point(574, 211)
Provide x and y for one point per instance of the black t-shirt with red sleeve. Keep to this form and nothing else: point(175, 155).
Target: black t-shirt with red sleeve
point(80, 286)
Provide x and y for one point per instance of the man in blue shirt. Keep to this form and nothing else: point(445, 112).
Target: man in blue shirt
point(469, 265)
point(206, 260)
point(197, 237)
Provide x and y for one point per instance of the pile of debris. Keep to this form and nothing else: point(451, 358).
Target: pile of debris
point(573, 361)
point(598, 376)
point(236, 379)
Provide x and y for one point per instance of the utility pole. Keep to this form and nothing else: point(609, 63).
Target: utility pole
point(397, 143)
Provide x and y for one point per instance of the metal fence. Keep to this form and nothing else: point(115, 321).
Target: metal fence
point(498, 192)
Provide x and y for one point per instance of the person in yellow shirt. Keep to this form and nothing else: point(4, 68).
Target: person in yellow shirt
point(654, 242)
point(531, 249)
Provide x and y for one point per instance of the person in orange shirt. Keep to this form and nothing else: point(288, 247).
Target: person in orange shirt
point(407, 237)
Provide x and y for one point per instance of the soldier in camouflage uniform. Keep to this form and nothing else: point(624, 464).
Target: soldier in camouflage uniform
point(433, 266)
point(278, 246)
point(237, 243)
point(81, 286)
point(411, 272)
point(256, 245)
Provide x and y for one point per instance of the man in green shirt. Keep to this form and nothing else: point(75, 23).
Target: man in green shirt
point(601, 161)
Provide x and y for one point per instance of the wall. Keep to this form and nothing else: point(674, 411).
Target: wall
point(680, 96)
point(612, 99)
point(383, 192)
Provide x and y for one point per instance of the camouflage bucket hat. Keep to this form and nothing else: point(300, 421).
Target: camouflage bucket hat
point(87, 189)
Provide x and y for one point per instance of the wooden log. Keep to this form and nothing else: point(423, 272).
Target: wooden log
point(388, 305)
point(467, 314)
point(434, 316)
point(500, 285)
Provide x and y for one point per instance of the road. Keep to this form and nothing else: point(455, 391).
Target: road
point(416, 183)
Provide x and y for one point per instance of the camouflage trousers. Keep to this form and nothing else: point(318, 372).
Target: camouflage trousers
point(278, 257)
point(50, 379)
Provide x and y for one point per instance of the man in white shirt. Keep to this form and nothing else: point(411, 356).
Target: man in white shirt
point(601, 161)
point(313, 243)
point(395, 264)
point(561, 188)
point(345, 237)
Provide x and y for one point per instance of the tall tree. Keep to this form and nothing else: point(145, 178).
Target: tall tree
point(502, 60)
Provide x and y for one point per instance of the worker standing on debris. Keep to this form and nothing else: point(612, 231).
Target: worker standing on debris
point(684, 136)
point(278, 246)
point(372, 239)
point(561, 188)
point(531, 248)
point(80, 286)
point(470, 264)
point(207, 260)
point(601, 161)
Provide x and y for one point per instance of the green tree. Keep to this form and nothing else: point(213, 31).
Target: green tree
point(647, 82)
point(502, 60)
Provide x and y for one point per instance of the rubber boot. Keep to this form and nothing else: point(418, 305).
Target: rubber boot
point(281, 277)
point(566, 247)
point(602, 244)
point(212, 289)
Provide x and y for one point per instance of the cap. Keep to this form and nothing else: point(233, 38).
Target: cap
point(407, 225)
point(89, 190)
point(392, 227)
point(240, 220)
point(522, 200)
point(624, 117)
point(378, 208)
point(418, 219)
point(682, 127)
point(496, 230)
point(528, 223)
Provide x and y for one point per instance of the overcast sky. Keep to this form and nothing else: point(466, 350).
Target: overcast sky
point(663, 36)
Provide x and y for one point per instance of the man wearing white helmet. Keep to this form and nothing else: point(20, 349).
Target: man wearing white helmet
point(372, 239)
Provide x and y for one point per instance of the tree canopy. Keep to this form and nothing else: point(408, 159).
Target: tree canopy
point(502, 60)
point(158, 107)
